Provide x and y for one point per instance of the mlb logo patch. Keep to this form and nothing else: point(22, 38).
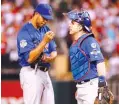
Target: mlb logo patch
point(23, 43)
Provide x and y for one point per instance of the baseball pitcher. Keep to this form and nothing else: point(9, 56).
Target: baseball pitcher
point(36, 49)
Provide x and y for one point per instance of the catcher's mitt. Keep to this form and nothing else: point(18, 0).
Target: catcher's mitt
point(105, 96)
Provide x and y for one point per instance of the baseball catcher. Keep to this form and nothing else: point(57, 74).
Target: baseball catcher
point(87, 61)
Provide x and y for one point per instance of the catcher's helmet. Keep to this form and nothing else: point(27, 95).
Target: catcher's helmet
point(82, 17)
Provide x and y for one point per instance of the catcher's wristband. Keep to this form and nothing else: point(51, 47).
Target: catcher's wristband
point(102, 81)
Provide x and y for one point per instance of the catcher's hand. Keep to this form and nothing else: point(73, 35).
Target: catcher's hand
point(105, 96)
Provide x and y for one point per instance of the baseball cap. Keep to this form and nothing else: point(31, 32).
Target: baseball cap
point(82, 17)
point(44, 10)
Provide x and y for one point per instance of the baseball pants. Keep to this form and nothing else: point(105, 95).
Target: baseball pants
point(87, 92)
point(37, 86)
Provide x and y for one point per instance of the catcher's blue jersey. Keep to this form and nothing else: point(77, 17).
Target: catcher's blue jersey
point(28, 38)
point(85, 53)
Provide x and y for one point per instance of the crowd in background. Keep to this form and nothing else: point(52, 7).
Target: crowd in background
point(105, 25)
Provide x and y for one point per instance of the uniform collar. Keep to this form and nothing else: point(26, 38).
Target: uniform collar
point(30, 28)
point(82, 37)
point(75, 41)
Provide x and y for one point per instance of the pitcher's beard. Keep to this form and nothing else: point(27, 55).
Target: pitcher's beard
point(39, 25)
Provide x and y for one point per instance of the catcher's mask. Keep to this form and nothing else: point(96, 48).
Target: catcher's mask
point(81, 17)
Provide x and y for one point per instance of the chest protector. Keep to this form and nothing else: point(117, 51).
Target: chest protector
point(80, 62)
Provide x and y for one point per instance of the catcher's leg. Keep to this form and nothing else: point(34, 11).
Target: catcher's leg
point(79, 101)
point(87, 92)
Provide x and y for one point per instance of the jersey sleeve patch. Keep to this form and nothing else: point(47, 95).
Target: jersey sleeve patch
point(93, 45)
point(92, 48)
point(23, 43)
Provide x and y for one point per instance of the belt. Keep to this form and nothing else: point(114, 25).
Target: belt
point(40, 67)
point(84, 81)
point(87, 80)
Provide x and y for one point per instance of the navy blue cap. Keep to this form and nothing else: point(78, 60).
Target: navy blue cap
point(45, 11)
point(81, 17)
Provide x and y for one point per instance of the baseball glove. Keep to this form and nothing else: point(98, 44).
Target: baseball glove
point(38, 60)
point(105, 96)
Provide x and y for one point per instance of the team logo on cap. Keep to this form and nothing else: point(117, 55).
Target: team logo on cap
point(50, 12)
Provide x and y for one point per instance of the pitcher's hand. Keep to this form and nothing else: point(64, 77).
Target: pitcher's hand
point(48, 36)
